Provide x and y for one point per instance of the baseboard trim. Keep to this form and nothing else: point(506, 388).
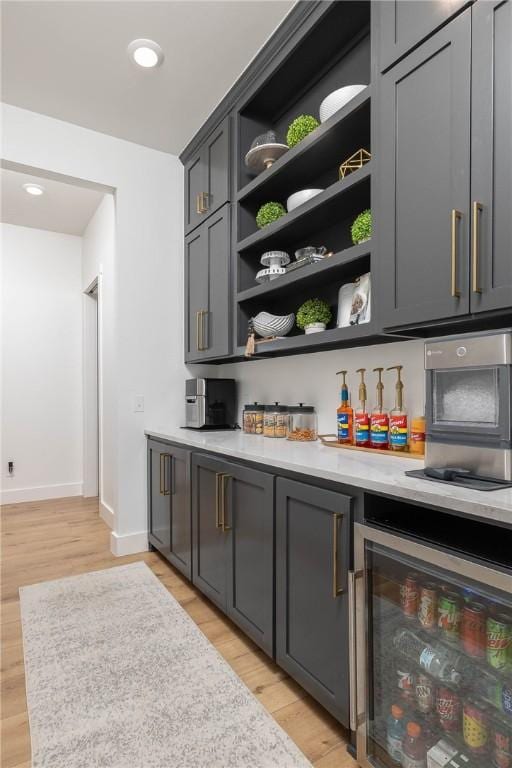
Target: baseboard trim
point(107, 514)
point(129, 544)
point(41, 493)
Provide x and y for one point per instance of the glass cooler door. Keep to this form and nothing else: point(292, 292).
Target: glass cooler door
point(432, 653)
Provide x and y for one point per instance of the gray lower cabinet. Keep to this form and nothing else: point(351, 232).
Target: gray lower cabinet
point(207, 289)
point(423, 185)
point(491, 156)
point(169, 511)
point(402, 24)
point(233, 543)
point(312, 561)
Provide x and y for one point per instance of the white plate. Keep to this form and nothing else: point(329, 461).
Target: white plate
point(301, 197)
point(337, 99)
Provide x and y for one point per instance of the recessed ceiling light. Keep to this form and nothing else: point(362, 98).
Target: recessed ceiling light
point(34, 189)
point(146, 53)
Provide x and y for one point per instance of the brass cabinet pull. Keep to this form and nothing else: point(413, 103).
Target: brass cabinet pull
point(218, 478)
point(167, 490)
point(336, 591)
point(202, 202)
point(162, 459)
point(206, 204)
point(456, 216)
point(204, 334)
point(477, 209)
point(198, 204)
point(223, 483)
point(198, 332)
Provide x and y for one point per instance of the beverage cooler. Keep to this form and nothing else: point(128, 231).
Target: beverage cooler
point(431, 646)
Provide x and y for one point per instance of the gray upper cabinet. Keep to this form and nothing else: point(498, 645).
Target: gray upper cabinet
point(207, 289)
point(423, 184)
point(207, 177)
point(169, 509)
point(491, 157)
point(402, 24)
point(312, 560)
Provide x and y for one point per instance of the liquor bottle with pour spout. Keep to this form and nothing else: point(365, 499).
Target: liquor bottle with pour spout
point(361, 416)
point(379, 422)
point(345, 413)
point(397, 415)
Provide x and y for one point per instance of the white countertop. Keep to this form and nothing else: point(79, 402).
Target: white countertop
point(384, 474)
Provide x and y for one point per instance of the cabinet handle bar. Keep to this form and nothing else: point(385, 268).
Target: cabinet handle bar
point(477, 209)
point(223, 483)
point(336, 591)
point(456, 216)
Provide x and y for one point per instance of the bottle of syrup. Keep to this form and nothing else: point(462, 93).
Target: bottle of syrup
point(397, 416)
point(361, 416)
point(345, 414)
point(379, 422)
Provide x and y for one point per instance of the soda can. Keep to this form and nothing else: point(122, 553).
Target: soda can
point(498, 641)
point(448, 709)
point(502, 747)
point(427, 610)
point(473, 630)
point(449, 616)
point(409, 596)
point(475, 727)
point(424, 694)
point(405, 683)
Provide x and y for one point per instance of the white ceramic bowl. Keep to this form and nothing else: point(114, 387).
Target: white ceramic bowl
point(337, 99)
point(301, 197)
point(266, 324)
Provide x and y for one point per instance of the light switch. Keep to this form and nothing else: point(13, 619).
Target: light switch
point(138, 404)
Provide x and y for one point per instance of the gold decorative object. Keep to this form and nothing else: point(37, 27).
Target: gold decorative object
point(354, 162)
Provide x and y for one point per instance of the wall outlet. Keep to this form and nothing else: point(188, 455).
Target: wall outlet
point(10, 469)
point(138, 404)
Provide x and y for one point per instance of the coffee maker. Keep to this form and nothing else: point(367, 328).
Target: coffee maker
point(210, 404)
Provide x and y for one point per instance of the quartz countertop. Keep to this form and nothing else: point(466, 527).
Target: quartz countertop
point(371, 472)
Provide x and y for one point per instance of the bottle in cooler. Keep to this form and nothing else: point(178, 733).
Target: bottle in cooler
point(395, 733)
point(413, 747)
point(444, 664)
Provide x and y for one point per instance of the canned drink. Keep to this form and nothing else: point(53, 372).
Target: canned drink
point(499, 641)
point(409, 596)
point(427, 610)
point(405, 684)
point(473, 630)
point(502, 747)
point(449, 616)
point(475, 727)
point(424, 694)
point(448, 709)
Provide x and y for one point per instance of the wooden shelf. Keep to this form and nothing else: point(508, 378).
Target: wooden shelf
point(334, 267)
point(329, 141)
point(315, 213)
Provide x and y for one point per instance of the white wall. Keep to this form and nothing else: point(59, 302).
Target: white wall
point(42, 364)
point(311, 379)
point(148, 283)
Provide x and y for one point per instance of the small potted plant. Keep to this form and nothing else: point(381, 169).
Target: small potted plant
point(314, 315)
point(268, 213)
point(300, 128)
point(362, 227)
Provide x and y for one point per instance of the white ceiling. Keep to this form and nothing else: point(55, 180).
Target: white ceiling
point(63, 207)
point(68, 60)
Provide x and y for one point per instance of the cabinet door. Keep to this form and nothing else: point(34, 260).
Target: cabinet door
point(159, 497)
point(216, 165)
point(194, 188)
point(209, 553)
point(491, 156)
point(215, 322)
point(180, 543)
point(196, 295)
point(249, 524)
point(402, 24)
point(312, 560)
point(422, 214)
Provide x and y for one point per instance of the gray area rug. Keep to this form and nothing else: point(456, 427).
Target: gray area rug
point(119, 676)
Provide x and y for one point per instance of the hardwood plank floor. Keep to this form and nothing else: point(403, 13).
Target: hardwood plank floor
point(51, 539)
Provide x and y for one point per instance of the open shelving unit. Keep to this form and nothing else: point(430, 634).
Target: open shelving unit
point(334, 53)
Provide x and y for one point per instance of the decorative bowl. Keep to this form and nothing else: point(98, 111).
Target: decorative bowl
point(275, 259)
point(266, 324)
point(301, 197)
point(270, 273)
point(311, 251)
point(337, 99)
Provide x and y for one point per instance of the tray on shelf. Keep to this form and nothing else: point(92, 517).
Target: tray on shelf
point(331, 441)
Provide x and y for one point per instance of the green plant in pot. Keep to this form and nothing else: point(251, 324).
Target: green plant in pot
point(300, 128)
point(314, 315)
point(361, 229)
point(268, 213)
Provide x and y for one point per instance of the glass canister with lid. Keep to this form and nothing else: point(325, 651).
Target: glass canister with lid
point(253, 419)
point(302, 423)
point(275, 420)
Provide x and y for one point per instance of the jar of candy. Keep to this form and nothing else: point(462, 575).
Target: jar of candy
point(275, 420)
point(253, 419)
point(302, 423)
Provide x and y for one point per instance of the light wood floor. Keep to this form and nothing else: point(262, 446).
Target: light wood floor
point(51, 539)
